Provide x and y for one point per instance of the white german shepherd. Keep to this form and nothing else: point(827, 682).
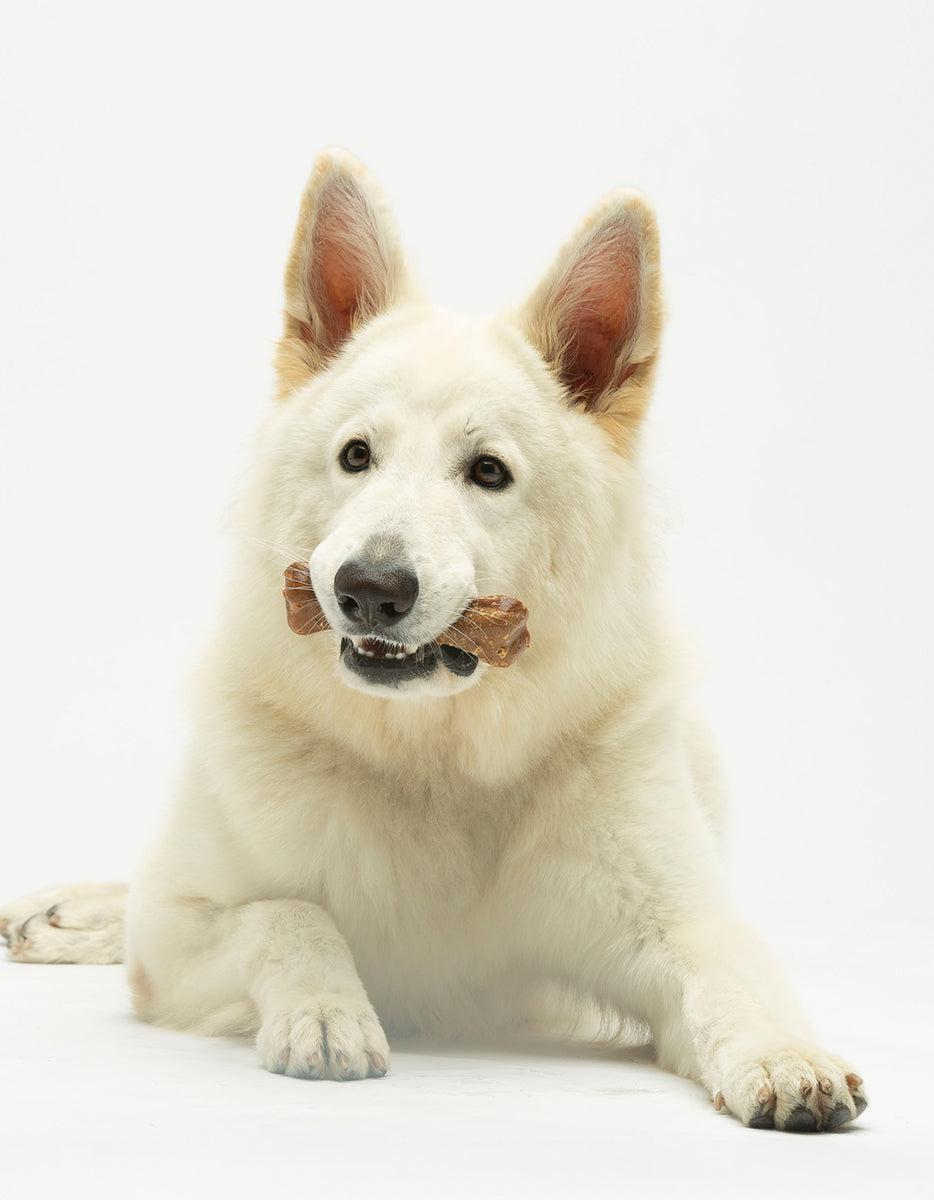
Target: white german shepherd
point(392, 835)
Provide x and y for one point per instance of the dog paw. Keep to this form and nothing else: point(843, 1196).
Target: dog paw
point(327, 1037)
point(79, 924)
point(799, 1092)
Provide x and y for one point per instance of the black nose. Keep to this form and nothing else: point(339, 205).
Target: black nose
point(374, 595)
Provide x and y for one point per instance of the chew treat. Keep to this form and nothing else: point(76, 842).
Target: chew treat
point(493, 628)
point(301, 604)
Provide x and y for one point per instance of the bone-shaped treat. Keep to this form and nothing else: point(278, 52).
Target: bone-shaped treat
point(494, 628)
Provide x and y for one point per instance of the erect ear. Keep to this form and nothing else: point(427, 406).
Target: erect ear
point(345, 267)
point(596, 316)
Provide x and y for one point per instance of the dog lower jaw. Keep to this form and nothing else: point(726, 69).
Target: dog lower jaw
point(392, 664)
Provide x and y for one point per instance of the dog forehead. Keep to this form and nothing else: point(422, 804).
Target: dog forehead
point(440, 364)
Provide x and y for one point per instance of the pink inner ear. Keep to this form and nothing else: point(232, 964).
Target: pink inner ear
point(600, 303)
point(345, 269)
point(341, 286)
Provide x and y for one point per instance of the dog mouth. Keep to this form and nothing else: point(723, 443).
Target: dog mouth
point(392, 663)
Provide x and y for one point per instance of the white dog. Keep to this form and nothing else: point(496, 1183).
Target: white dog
point(373, 832)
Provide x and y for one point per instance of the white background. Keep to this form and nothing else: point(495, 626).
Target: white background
point(152, 160)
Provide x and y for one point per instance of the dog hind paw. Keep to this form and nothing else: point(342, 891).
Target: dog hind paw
point(83, 923)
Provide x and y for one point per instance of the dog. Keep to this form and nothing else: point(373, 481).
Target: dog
point(374, 834)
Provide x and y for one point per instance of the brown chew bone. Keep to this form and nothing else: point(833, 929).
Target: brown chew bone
point(494, 628)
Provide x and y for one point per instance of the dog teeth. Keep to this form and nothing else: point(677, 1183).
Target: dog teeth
point(364, 648)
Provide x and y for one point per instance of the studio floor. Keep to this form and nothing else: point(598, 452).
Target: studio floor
point(94, 1103)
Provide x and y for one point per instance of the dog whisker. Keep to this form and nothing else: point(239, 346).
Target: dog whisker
point(286, 554)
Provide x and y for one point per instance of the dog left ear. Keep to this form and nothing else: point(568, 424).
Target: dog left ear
point(345, 267)
point(596, 316)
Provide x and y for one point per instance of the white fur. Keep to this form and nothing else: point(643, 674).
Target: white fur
point(440, 852)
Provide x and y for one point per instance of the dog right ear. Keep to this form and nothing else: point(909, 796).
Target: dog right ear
point(596, 316)
point(345, 267)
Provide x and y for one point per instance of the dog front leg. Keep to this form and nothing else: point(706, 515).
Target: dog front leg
point(276, 968)
point(721, 1013)
point(626, 901)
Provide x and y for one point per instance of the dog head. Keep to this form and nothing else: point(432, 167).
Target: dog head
point(420, 459)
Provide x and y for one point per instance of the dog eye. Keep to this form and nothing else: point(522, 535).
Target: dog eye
point(355, 456)
point(489, 473)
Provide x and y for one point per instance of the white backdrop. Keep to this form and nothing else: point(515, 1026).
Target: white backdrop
point(152, 161)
